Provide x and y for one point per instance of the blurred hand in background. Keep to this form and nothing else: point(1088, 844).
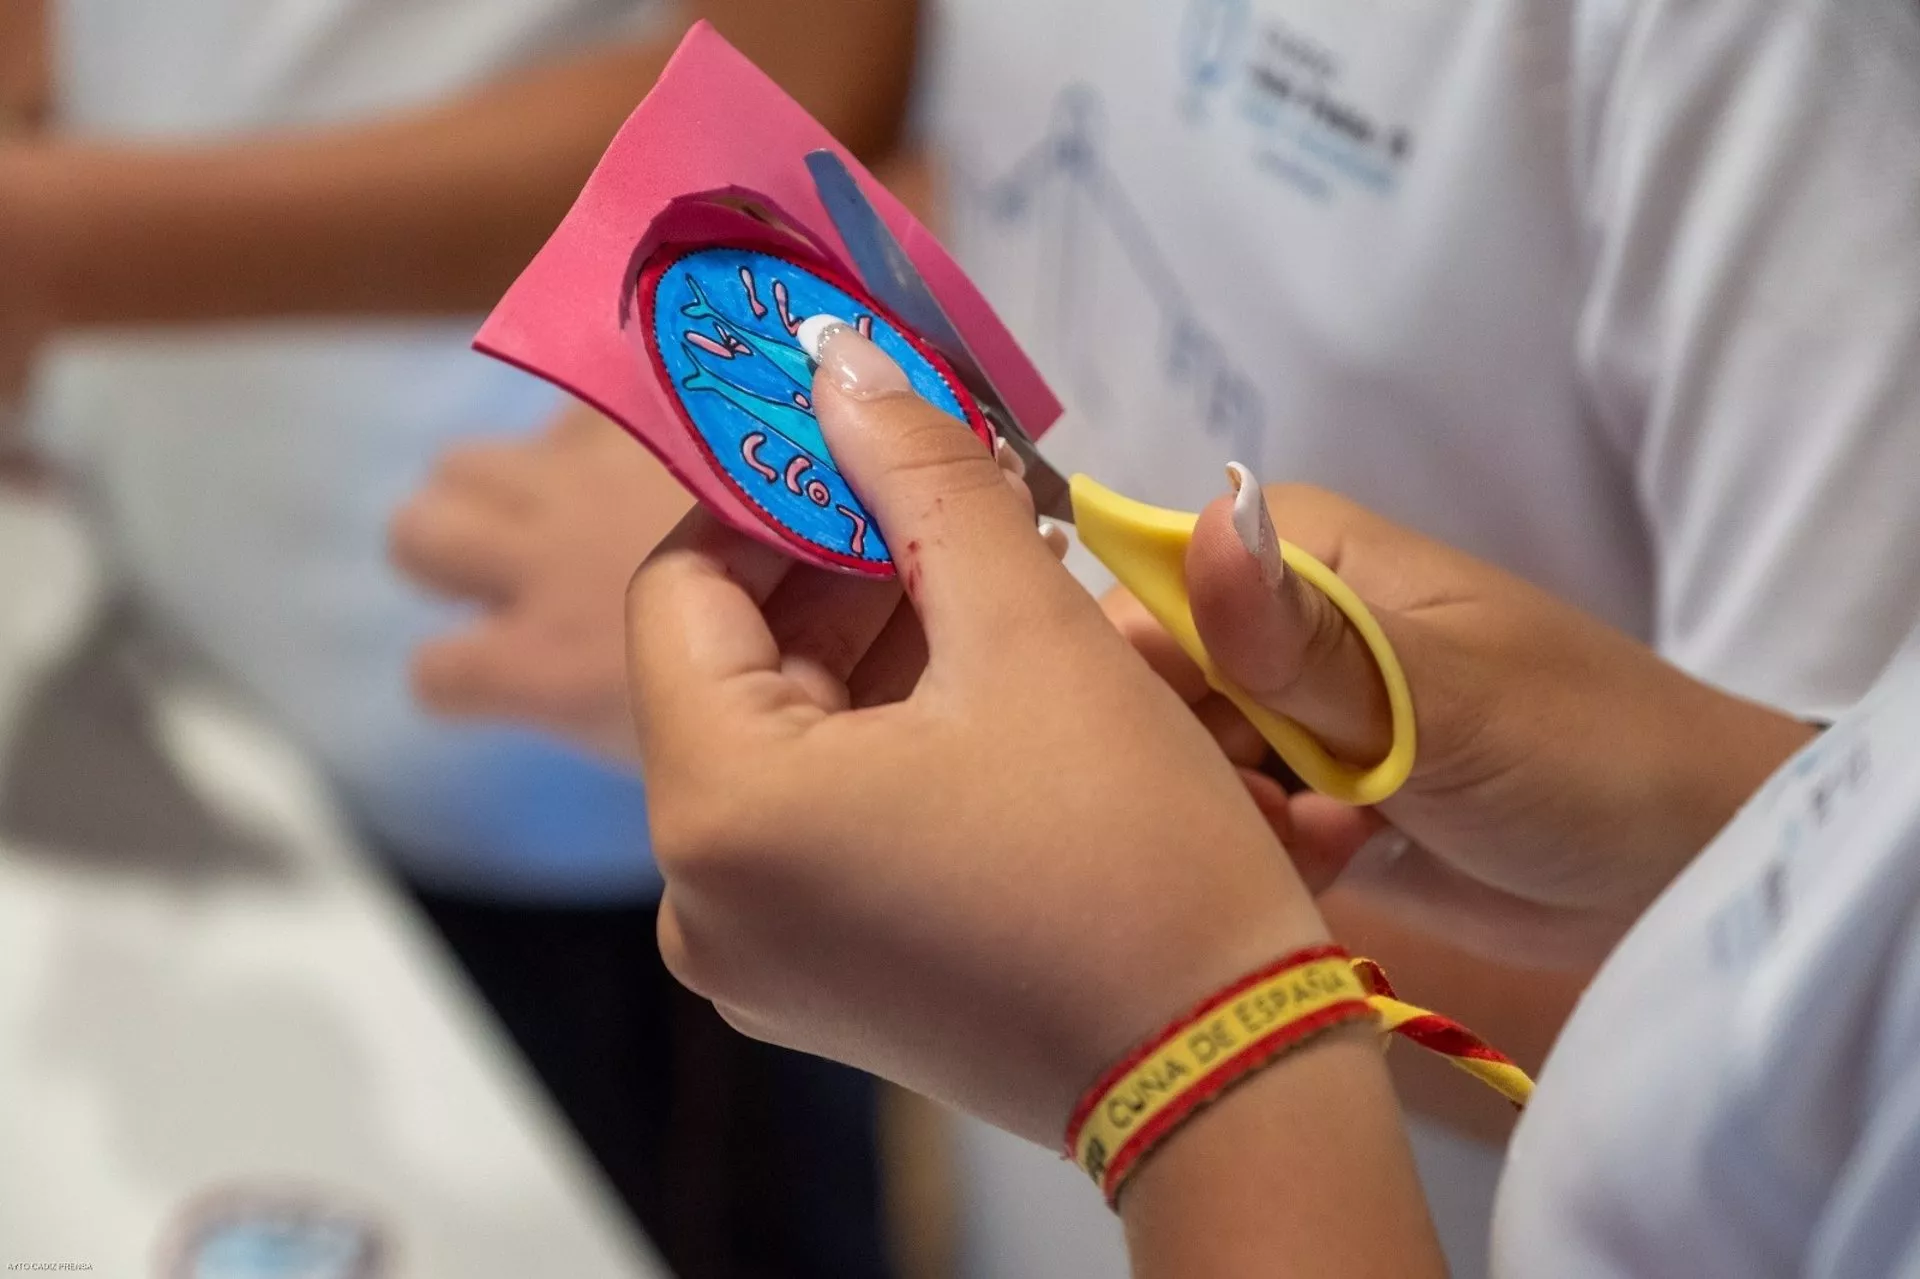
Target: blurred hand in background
point(542, 535)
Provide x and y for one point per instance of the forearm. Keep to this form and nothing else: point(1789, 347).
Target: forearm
point(432, 212)
point(1669, 770)
point(1517, 1009)
point(1302, 1170)
point(23, 65)
point(426, 215)
point(1720, 750)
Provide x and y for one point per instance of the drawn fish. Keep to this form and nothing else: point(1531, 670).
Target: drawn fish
point(790, 360)
point(796, 424)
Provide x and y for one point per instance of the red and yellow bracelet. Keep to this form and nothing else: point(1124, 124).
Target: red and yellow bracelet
point(1443, 1036)
point(1245, 1027)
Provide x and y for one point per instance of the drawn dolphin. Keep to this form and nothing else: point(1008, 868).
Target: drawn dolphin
point(794, 423)
point(790, 360)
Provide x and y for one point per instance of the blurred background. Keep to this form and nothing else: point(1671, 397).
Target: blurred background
point(297, 977)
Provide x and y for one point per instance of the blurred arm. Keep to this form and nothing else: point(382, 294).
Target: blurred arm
point(23, 65)
point(430, 212)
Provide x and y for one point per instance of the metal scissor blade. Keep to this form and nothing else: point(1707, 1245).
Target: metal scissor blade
point(1052, 493)
point(882, 262)
point(890, 274)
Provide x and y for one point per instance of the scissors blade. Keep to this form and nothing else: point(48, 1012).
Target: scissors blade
point(890, 274)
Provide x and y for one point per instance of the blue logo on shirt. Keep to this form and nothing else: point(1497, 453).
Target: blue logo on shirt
point(1210, 49)
point(1310, 129)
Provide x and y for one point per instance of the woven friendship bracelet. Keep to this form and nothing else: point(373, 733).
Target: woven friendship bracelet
point(1443, 1037)
point(1199, 1055)
point(1231, 1035)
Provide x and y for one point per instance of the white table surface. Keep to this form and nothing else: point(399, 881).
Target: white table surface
point(188, 1028)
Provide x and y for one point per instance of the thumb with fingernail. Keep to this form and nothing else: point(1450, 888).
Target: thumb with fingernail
point(958, 524)
point(1272, 633)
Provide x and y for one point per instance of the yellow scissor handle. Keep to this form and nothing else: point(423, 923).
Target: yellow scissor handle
point(1146, 548)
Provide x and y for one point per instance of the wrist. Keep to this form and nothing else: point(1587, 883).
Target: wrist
point(115, 236)
point(1206, 1051)
point(1717, 751)
point(1305, 1161)
point(1630, 779)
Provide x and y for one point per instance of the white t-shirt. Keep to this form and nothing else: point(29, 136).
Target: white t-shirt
point(1738, 1094)
point(243, 479)
point(1624, 296)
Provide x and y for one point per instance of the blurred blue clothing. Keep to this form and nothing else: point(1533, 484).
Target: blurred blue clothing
point(242, 484)
point(242, 479)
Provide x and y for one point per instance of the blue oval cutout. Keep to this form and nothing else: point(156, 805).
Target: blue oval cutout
point(722, 325)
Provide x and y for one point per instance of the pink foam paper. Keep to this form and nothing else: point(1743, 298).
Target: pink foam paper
point(714, 128)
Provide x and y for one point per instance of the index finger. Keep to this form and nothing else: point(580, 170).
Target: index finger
point(962, 538)
point(696, 636)
point(1162, 652)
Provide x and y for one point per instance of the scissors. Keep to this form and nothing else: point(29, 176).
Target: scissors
point(1145, 547)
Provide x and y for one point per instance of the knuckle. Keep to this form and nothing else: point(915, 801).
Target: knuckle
point(450, 470)
point(693, 832)
point(652, 587)
point(439, 677)
point(1315, 648)
point(638, 587)
point(742, 1022)
point(825, 643)
point(688, 958)
point(936, 448)
point(582, 699)
point(1129, 616)
point(463, 464)
point(769, 1027)
point(1326, 631)
point(569, 690)
point(410, 532)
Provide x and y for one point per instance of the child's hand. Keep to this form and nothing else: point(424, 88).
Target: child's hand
point(542, 534)
point(973, 845)
point(1565, 773)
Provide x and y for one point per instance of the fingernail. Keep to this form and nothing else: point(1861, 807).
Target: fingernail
point(857, 368)
point(1383, 848)
point(1055, 537)
point(1009, 457)
point(1254, 523)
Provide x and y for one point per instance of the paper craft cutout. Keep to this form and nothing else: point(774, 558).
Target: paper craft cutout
point(722, 322)
point(709, 177)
